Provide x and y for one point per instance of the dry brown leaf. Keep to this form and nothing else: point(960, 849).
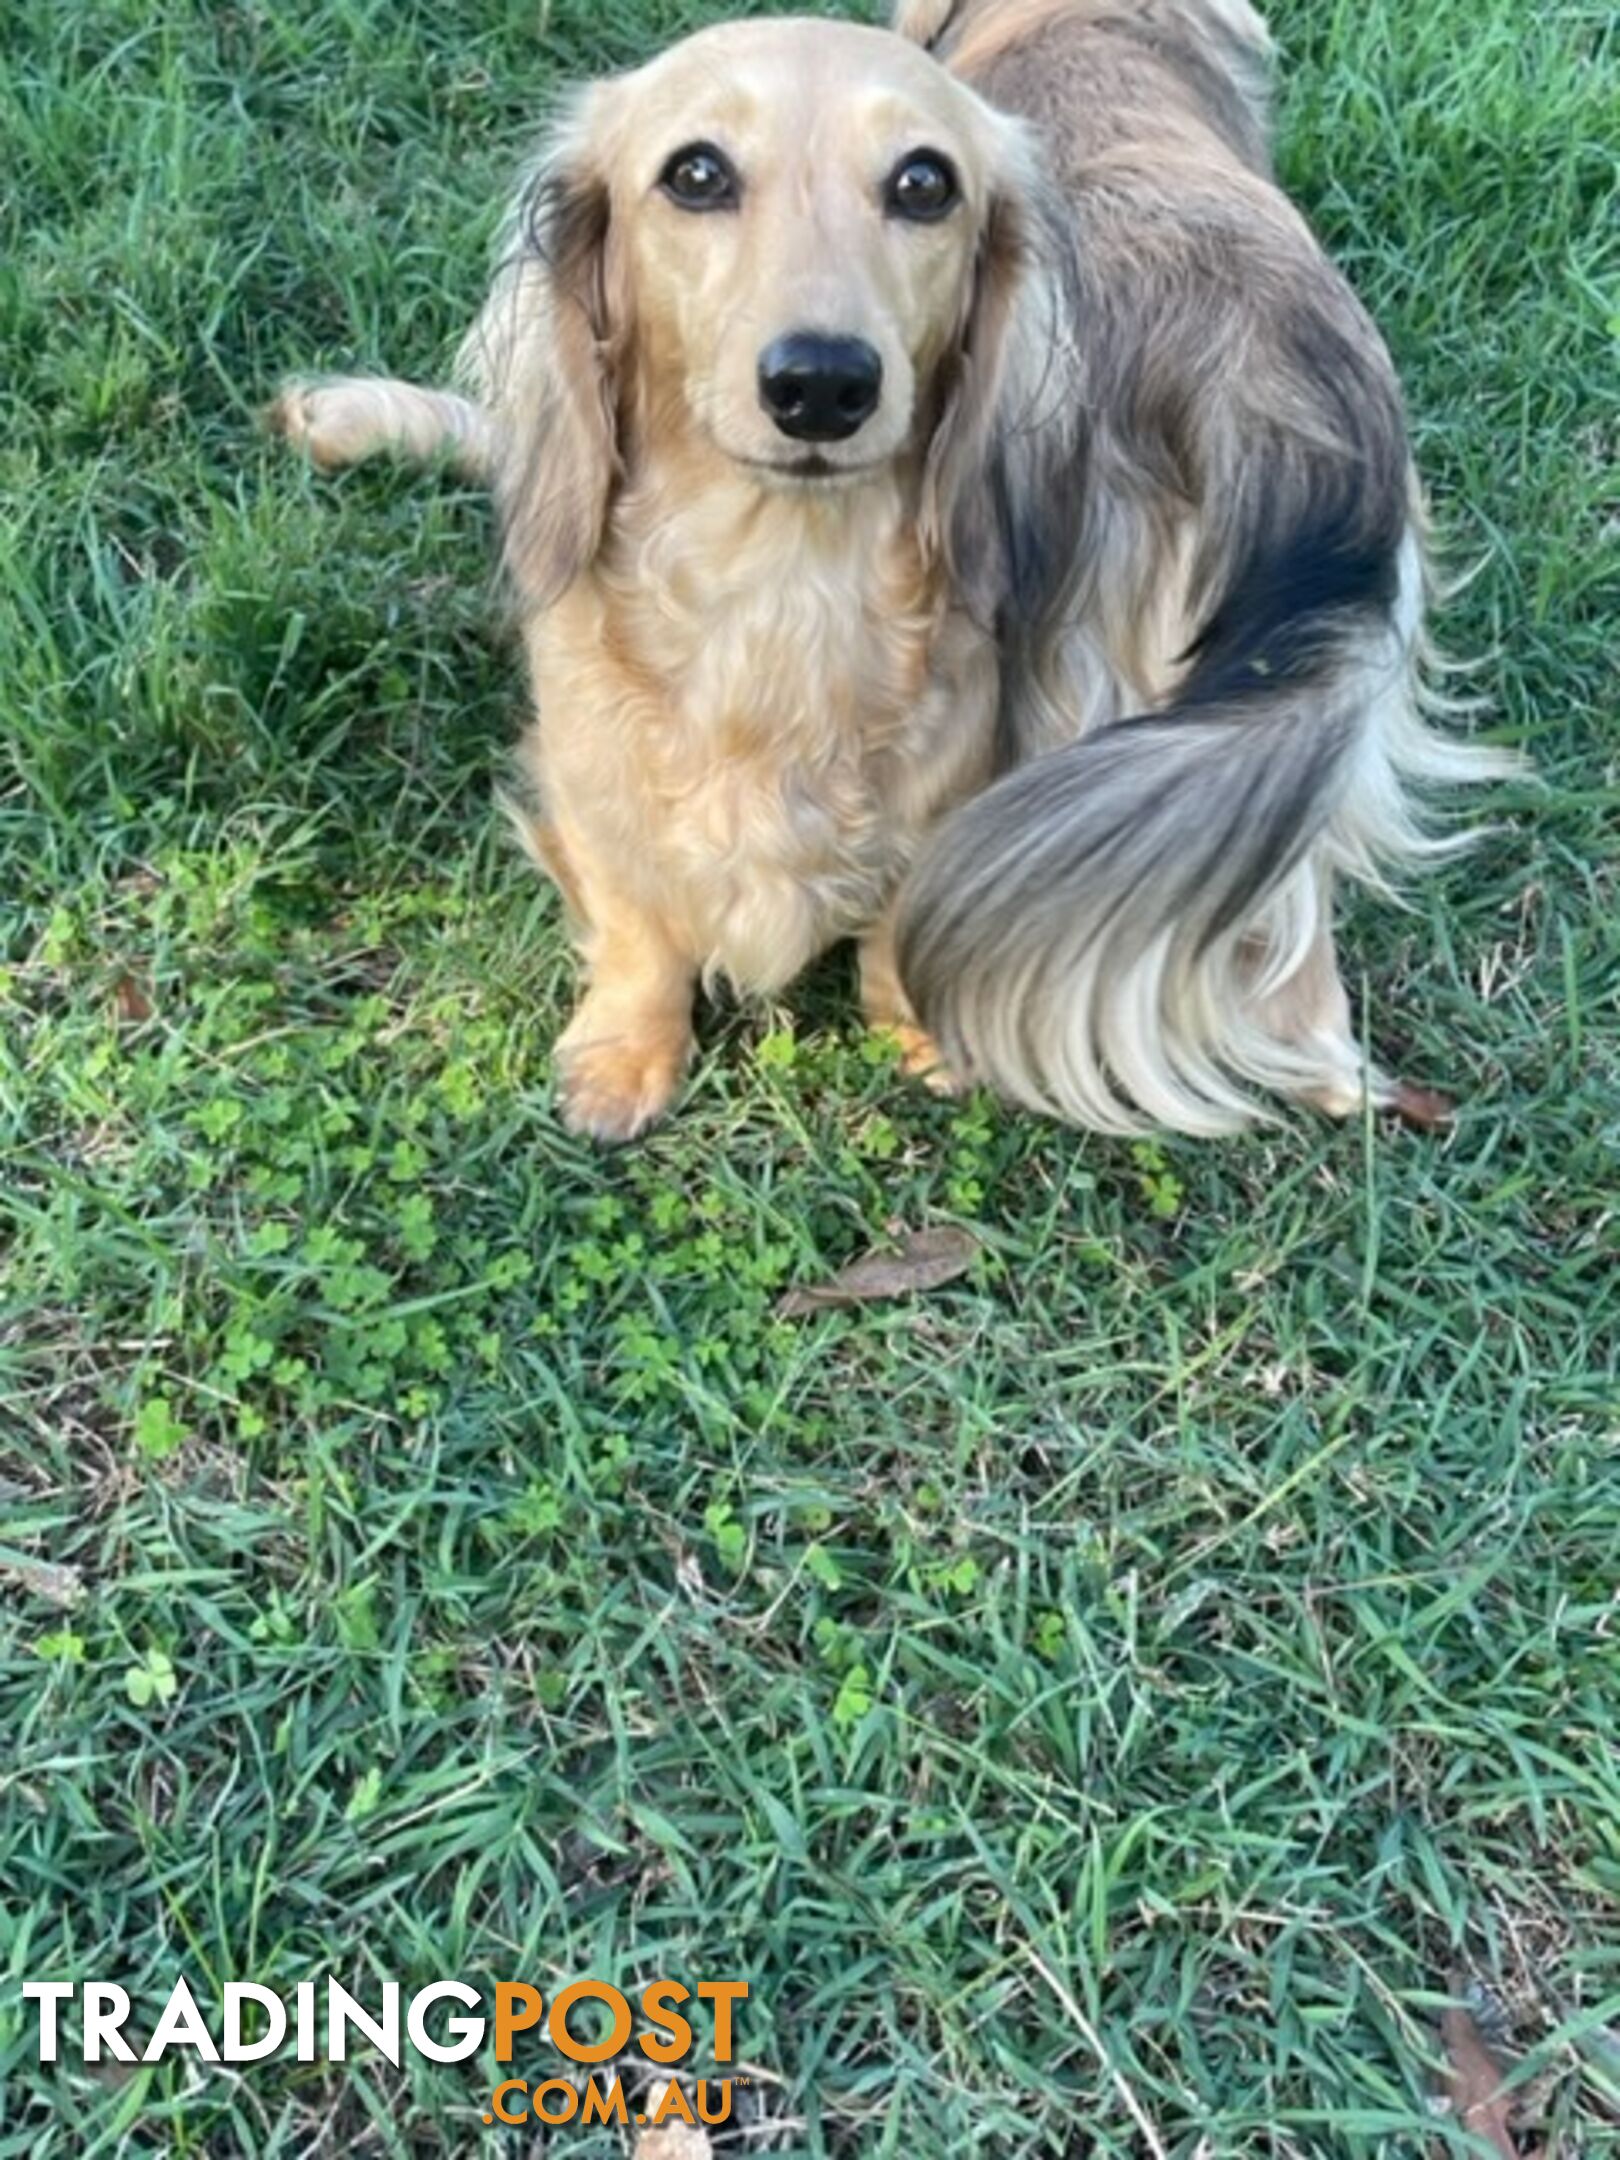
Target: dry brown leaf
point(923, 1260)
point(131, 1001)
point(55, 1582)
point(675, 2140)
point(1475, 2084)
point(1425, 1109)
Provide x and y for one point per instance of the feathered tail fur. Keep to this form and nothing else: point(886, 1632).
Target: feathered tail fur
point(1213, 576)
point(1137, 928)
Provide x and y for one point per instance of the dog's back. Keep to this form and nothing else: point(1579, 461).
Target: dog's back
point(1093, 75)
point(1211, 393)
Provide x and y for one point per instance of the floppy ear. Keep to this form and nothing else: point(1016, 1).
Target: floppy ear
point(922, 21)
point(548, 353)
point(989, 387)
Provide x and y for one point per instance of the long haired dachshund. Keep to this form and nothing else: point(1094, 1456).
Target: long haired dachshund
point(951, 502)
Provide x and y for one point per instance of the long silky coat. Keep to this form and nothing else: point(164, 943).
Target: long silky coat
point(1072, 677)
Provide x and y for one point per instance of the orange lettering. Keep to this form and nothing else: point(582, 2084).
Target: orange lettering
point(605, 2103)
point(656, 2004)
point(569, 2102)
point(518, 2008)
point(498, 2104)
point(724, 1994)
point(579, 2050)
point(719, 2114)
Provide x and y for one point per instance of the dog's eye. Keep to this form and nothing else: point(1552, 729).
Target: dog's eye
point(922, 187)
point(700, 177)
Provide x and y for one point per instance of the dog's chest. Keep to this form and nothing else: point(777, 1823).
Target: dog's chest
point(782, 734)
point(779, 775)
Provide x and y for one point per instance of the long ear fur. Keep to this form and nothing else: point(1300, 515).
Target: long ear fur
point(1010, 402)
point(546, 355)
point(922, 21)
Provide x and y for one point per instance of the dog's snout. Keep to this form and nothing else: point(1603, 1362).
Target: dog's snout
point(820, 389)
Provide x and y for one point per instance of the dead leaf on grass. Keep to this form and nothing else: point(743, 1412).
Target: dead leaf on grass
point(1474, 2086)
point(1424, 1109)
point(131, 1000)
point(673, 2141)
point(55, 1582)
point(923, 1260)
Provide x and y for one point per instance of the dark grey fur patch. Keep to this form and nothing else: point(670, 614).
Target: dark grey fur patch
point(1220, 376)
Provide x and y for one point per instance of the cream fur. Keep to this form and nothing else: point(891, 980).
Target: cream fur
point(762, 692)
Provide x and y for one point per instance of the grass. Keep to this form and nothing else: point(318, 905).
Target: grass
point(1124, 1688)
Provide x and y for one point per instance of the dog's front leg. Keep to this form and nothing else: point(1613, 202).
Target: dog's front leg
point(621, 1057)
point(888, 1011)
point(349, 418)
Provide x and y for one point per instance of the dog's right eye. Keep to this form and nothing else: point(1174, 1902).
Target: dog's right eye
point(700, 177)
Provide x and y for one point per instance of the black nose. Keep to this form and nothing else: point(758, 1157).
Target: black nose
point(820, 389)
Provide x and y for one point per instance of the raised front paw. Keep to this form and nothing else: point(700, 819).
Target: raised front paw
point(612, 1087)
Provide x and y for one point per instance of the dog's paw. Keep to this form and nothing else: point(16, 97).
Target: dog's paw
point(291, 415)
point(329, 423)
point(612, 1089)
point(920, 1058)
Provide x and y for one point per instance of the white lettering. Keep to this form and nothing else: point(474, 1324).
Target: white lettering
point(238, 1993)
point(305, 1994)
point(342, 2011)
point(47, 1993)
point(471, 2030)
point(105, 2009)
point(181, 2025)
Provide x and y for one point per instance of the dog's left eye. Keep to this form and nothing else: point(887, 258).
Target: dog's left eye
point(922, 187)
point(700, 177)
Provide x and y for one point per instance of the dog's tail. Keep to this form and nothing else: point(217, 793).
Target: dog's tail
point(1110, 932)
point(348, 418)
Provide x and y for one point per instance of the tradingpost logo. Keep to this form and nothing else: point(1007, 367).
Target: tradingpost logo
point(444, 2022)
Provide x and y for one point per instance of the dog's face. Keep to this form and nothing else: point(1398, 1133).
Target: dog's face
point(794, 244)
point(801, 208)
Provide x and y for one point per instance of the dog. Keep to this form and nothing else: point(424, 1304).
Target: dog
point(950, 502)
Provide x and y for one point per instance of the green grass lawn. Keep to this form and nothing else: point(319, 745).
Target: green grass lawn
point(1190, 1642)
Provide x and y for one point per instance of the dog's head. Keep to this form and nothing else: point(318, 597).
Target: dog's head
point(789, 247)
